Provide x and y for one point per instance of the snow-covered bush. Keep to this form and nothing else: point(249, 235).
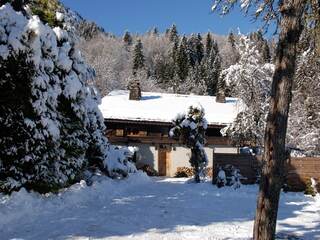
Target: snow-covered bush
point(221, 178)
point(50, 125)
point(311, 188)
point(119, 161)
point(190, 128)
point(228, 176)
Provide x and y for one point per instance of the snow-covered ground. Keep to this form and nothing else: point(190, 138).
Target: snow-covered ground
point(144, 208)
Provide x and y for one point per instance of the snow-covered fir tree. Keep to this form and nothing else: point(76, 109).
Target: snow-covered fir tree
point(138, 57)
point(181, 59)
point(190, 128)
point(172, 33)
point(211, 64)
point(127, 39)
point(55, 130)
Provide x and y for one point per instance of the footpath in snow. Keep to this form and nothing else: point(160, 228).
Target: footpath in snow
point(150, 208)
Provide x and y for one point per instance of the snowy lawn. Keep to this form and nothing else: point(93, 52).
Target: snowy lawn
point(156, 208)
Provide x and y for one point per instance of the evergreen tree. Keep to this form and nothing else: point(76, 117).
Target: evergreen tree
point(232, 40)
point(195, 49)
point(212, 67)
point(181, 61)
point(195, 81)
point(262, 45)
point(138, 57)
point(199, 49)
point(209, 43)
point(155, 31)
point(191, 128)
point(173, 33)
point(52, 128)
point(127, 39)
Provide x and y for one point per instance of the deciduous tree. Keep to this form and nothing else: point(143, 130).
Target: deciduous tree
point(289, 16)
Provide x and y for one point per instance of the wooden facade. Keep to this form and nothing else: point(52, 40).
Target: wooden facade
point(151, 132)
point(160, 151)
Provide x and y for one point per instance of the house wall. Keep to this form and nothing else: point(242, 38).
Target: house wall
point(225, 149)
point(179, 156)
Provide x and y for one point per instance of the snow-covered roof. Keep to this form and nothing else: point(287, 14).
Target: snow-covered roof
point(164, 107)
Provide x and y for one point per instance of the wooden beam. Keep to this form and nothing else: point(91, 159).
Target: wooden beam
point(163, 140)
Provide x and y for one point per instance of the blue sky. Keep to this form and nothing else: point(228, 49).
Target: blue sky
point(138, 16)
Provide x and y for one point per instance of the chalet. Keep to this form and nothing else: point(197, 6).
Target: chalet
point(144, 120)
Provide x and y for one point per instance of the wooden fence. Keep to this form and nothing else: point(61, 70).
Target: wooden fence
point(298, 171)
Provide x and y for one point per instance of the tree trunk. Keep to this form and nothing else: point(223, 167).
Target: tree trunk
point(275, 133)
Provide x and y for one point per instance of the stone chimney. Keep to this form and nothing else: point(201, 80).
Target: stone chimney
point(135, 90)
point(221, 97)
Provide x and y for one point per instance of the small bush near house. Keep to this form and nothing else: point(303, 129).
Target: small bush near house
point(150, 171)
point(311, 187)
point(228, 175)
point(183, 172)
point(188, 172)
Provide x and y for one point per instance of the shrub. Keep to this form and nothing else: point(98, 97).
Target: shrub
point(311, 187)
point(150, 171)
point(184, 172)
point(189, 172)
point(228, 175)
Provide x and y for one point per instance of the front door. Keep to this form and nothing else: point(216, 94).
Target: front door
point(164, 160)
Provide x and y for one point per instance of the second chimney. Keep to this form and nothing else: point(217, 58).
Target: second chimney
point(135, 90)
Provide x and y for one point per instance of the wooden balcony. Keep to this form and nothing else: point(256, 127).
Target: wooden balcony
point(161, 140)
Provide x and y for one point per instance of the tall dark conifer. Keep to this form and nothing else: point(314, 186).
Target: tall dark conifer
point(182, 59)
point(138, 57)
point(173, 33)
point(209, 43)
point(127, 39)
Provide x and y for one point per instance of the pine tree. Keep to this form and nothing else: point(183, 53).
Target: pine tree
point(173, 33)
point(195, 49)
point(195, 82)
point(127, 39)
point(212, 67)
point(181, 61)
point(262, 45)
point(232, 40)
point(138, 57)
point(155, 31)
point(209, 43)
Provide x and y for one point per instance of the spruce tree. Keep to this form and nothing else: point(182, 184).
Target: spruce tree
point(195, 49)
point(199, 49)
point(209, 43)
point(173, 33)
point(155, 31)
point(182, 66)
point(262, 45)
point(127, 39)
point(51, 128)
point(231, 39)
point(138, 57)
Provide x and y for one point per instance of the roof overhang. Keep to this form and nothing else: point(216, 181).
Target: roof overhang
point(154, 123)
